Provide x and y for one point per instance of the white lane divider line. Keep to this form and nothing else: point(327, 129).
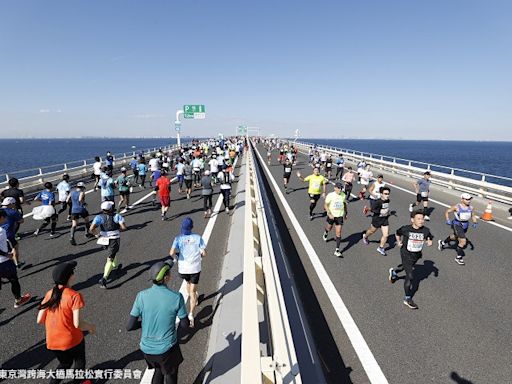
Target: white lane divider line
point(368, 361)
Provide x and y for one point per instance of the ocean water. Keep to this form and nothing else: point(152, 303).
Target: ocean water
point(22, 154)
point(494, 158)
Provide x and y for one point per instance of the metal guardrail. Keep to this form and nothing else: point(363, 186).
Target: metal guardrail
point(262, 287)
point(38, 176)
point(445, 176)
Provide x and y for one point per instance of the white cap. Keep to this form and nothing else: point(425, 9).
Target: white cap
point(207, 172)
point(466, 196)
point(107, 205)
point(123, 169)
point(80, 184)
point(8, 201)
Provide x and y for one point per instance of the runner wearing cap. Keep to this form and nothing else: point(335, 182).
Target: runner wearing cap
point(463, 213)
point(207, 193)
point(155, 311)
point(47, 198)
point(422, 188)
point(374, 191)
point(123, 184)
point(63, 189)
point(10, 225)
point(109, 223)
point(190, 248)
point(76, 199)
point(8, 266)
point(60, 313)
point(336, 208)
point(316, 188)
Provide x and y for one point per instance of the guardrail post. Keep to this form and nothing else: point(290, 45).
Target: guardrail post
point(40, 171)
point(450, 182)
point(482, 189)
point(65, 166)
point(409, 170)
point(6, 177)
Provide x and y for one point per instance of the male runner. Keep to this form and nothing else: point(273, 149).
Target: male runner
point(380, 218)
point(422, 188)
point(163, 187)
point(287, 172)
point(316, 188)
point(410, 239)
point(77, 201)
point(336, 208)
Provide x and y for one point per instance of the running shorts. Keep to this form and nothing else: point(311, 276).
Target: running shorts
point(335, 220)
point(192, 278)
point(165, 201)
point(314, 197)
point(287, 176)
point(84, 214)
point(459, 231)
point(188, 184)
point(378, 222)
point(168, 362)
point(112, 248)
point(124, 193)
point(421, 198)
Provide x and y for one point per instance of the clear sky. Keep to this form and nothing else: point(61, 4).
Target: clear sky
point(412, 69)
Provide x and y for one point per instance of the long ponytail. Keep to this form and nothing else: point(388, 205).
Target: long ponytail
point(54, 301)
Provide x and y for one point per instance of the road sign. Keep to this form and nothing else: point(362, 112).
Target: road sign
point(194, 111)
point(177, 126)
point(242, 129)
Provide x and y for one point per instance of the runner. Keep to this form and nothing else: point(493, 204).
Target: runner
point(380, 218)
point(336, 208)
point(225, 178)
point(214, 168)
point(133, 166)
point(60, 313)
point(109, 162)
point(374, 192)
point(190, 248)
point(123, 184)
point(63, 188)
point(109, 223)
point(155, 176)
point(207, 193)
point(179, 174)
point(143, 169)
point(15, 192)
point(76, 199)
point(364, 180)
point(287, 172)
point(196, 170)
point(422, 188)
point(8, 266)
point(158, 308)
point(10, 224)
point(269, 155)
point(328, 167)
point(107, 185)
point(154, 166)
point(348, 178)
point(340, 163)
point(410, 239)
point(96, 171)
point(188, 175)
point(47, 198)
point(463, 213)
point(163, 188)
point(316, 188)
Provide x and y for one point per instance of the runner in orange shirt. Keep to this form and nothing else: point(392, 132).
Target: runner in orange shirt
point(163, 186)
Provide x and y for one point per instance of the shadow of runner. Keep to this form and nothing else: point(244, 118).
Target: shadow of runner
point(352, 240)
point(224, 358)
point(459, 380)
point(36, 357)
point(422, 272)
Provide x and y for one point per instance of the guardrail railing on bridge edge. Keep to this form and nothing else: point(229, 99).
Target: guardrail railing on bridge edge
point(450, 180)
point(262, 287)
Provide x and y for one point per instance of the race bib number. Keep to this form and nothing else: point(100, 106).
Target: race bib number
point(338, 205)
point(424, 194)
point(316, 185)
point(384, 212)
point(328, 165)
point(415, 245)
point(465, 216)
point(103, 241)
point(287, 170)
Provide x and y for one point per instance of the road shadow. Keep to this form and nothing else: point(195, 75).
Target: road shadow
point(35, 357)
point(351, 240)
point(118, 274)
point(33, 303)
point(459, 380)
point(110, 365)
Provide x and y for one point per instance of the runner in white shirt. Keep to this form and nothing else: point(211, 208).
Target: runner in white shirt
point(64, 188)
point(366, 175)
point(374, 191)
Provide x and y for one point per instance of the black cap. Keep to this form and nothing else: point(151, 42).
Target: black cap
point(339, 185)
point(159, 270)
point(62, 272)
point(380, 177)
point(426, 173)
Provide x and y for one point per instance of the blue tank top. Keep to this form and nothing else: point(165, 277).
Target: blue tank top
point(463, 214)
point(76, 206)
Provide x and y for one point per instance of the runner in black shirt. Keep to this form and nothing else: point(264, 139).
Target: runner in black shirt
point(14, 191)
point(287, 172)
point(410, 239)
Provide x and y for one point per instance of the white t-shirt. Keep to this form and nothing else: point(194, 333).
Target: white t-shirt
point(366, 176)
point(377, 186)
point(63, 188)
point(214, 165)
point(96, 167)
point(189, 248)
point(179, 168)
point(323, 156)
point(153, 164)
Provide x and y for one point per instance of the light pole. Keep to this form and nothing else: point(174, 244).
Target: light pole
point(177, 126)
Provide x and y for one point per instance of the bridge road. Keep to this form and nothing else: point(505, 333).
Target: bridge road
point(462, 327)
point(147, 241)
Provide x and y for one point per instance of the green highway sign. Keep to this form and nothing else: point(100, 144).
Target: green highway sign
point(242, 129)
point(194, 111)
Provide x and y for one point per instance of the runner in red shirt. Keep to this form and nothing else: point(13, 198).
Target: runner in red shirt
point(163, 186)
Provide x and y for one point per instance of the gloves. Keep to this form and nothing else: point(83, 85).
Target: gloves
point(475, 225)
point(448, 222)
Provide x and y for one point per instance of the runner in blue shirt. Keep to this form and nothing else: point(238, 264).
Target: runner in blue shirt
point(143, 169)
point(10, 225)
point(155, 310)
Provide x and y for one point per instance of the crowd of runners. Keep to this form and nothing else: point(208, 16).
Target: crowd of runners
point(410, 238)
point(204, 166)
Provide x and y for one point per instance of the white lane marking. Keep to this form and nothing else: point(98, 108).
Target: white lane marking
point(368, 361)
point(148, 373)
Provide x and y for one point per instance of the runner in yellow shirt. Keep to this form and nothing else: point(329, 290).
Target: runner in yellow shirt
point(336, 208)
point(316, 188)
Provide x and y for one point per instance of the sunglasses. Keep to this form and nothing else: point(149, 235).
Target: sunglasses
point(387, 193)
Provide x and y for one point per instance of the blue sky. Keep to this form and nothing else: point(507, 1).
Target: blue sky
point(410, 69)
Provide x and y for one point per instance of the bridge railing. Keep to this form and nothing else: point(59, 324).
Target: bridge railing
point(489, 186)
point(29, 178)
point(262, 294)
